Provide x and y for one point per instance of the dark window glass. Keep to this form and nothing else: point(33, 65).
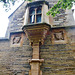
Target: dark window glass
point(30, 19)
point(38, 18)
point(39, 10)
point(32, 11)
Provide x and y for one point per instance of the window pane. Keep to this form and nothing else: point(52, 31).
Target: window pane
point(32, 18)
point(32, 11)
point(38, 18)
point(39, 10)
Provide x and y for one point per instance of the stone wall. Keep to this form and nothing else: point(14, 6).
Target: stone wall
point(16, 20)
point(14, 60)
point(59, 58)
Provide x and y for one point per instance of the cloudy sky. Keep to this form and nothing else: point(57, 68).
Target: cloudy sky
point(4, 17)
point(3, 21)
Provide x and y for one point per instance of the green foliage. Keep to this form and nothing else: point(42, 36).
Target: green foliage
point(7, 3)
point(13, 1)
point(61, 4)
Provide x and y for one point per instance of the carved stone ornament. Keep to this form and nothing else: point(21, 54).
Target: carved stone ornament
point(16, 39)
point(59, 36)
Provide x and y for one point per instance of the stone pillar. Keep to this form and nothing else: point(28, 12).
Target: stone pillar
point(35, 62)
point(36, 35)
point(35, 68)
point(45, 18)
point(26, 16)
point(36, 50)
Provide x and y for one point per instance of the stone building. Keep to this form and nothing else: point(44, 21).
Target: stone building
point(37, 44)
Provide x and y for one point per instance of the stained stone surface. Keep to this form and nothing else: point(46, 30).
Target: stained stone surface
point(16, 19)
point(59, 59)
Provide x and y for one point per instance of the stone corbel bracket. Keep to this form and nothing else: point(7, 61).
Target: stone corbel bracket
point(36, 32)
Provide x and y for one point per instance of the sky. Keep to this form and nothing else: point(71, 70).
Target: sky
point(3, 21)
point(4, 17)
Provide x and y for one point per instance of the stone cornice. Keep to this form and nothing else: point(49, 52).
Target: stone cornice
point(36, 3)
point(35, 24)
point(69, 26)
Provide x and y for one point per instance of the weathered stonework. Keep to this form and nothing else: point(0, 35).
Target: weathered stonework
point(14, 60)
point(16, 20)
point(36, 35)
point(16, 39)
point(55, 58)
point(59, 36)
point(59, 58)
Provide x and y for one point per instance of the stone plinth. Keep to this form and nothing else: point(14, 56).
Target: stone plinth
point(35, 66)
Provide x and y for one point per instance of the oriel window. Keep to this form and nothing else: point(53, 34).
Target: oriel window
point(35, 14)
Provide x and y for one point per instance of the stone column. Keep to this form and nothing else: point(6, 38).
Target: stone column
point(36, 34)
point(35, 62)
point(26, 16)
point(35, 68)
point(36, 50)
point(45, 18)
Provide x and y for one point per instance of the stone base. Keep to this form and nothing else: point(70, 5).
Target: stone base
point(35, 66)
point(31, 74)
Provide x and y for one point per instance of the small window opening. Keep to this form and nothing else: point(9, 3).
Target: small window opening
point(35, 15)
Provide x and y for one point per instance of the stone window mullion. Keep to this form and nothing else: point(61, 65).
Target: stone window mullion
point(35, 14)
